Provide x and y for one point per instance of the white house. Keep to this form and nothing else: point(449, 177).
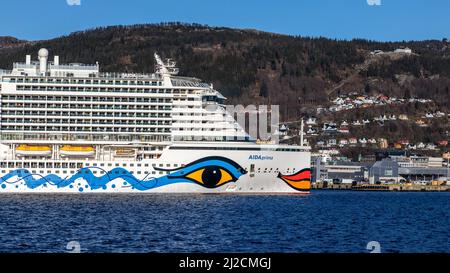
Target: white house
point(311, 121)
point(405, 50)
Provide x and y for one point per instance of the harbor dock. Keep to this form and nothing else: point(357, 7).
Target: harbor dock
point(382, 187)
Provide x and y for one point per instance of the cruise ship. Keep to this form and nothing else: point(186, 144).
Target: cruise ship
point(69, 128)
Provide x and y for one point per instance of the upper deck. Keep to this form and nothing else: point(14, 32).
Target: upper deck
point(66, 103)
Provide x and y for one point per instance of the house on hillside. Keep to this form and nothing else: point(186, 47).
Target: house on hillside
point(404, 50)
point(421, 123)
point(311, 121)
point(329, 127)
point(403, 117)
point(383, 143)
point(442, 143)
point(357, 123)
point(343, 142)
point(353, 140)
point(343, 130)
point(331, 142)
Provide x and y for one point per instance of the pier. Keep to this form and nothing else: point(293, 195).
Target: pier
point(382, 187)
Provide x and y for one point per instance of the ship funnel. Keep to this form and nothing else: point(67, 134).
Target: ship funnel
point(56, 60)
point(43, 57)
point(28, 60)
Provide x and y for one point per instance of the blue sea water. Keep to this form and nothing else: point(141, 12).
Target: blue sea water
point(325, 221)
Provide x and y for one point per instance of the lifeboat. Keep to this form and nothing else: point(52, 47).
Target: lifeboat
point(125, 152)
point(33, 150)
point(70, 150)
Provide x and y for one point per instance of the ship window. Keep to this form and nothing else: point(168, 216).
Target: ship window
point(139, 172)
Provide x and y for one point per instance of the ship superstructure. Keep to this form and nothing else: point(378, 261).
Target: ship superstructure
point(69, 124)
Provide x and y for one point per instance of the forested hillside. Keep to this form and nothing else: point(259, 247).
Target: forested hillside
point(251, 66)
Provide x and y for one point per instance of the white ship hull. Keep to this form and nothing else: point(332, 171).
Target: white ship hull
point(177, 171)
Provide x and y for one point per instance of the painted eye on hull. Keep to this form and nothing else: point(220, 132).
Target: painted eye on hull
point(211, 177)
point(209, 172)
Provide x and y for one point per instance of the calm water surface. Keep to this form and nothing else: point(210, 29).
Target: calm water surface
point(325, 221)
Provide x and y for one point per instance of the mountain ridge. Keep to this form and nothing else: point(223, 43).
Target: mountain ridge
point(253, 66)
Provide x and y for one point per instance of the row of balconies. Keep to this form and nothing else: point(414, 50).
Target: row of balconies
point(86, 136)
point(72, 123)
point(84, 106)
point(48, 80)
point(62, 129)
point(95, 90)
point(82, 119)
point(65, 99)
point(87, 114)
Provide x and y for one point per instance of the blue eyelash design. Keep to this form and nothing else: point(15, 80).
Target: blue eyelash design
point(232, 167)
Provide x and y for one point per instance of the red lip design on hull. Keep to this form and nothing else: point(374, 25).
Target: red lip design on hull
point(300, 181)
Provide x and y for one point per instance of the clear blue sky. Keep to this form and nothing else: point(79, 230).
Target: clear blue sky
point(343, 19)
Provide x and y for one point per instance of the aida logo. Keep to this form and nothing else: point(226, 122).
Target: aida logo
point(374, 2)
point(260, 157)
point(73, 2)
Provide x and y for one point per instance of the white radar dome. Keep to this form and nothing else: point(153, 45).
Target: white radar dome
point(43, 52)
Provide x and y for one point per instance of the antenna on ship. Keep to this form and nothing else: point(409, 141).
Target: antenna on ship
point(301, 133)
